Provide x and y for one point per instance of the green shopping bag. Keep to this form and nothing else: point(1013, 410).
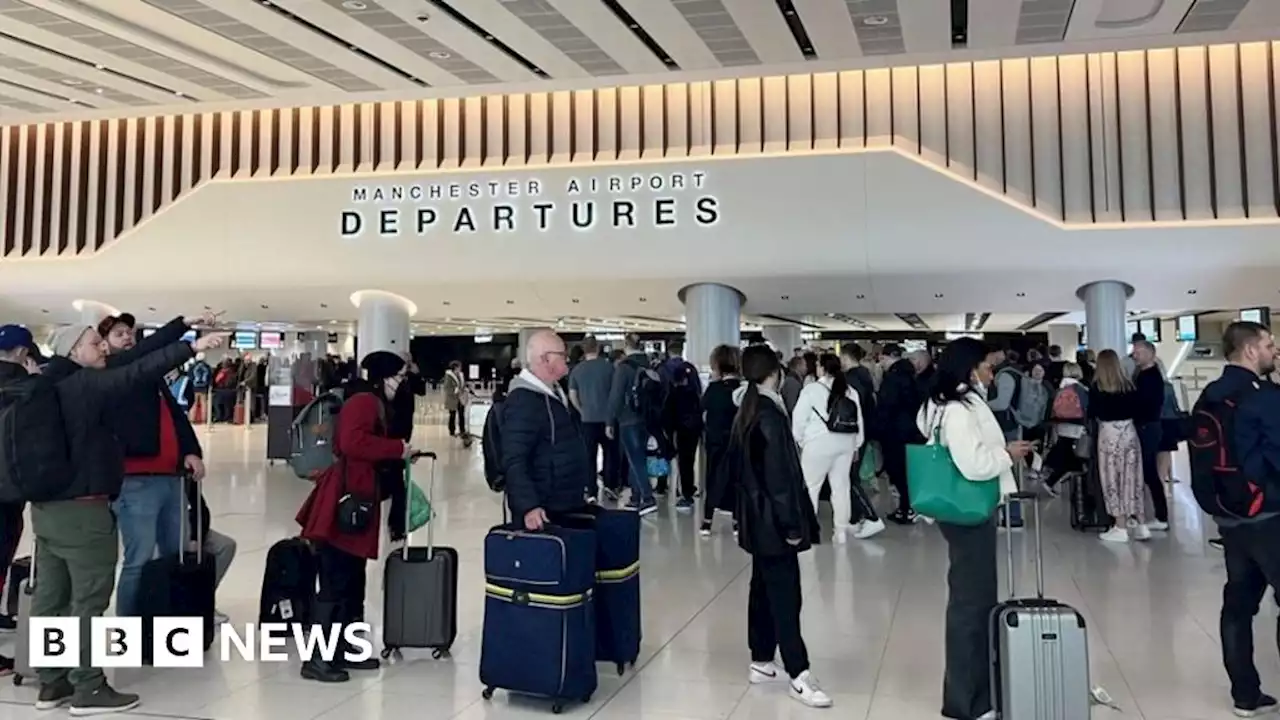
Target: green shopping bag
point(939, 491)
point(419, 505)
point(870, 464)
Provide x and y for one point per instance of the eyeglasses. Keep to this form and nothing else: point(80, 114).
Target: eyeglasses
point(552, 353)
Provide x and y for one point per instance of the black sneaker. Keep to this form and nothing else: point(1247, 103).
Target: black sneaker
point(55, 695)
point(102, 701)
point(6, 665)
point(903, 517)
point(705, 529)
point(1264, 705)
point(1216, 543)
point(8, 624)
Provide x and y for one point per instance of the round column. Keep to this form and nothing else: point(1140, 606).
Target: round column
point(1065, 336)
point(384, 322)
point(92, 312)
point(713, 317)
point(783, 338)
point(1104, 314)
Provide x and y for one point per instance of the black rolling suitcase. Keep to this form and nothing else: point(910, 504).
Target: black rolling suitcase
point(420, 591)
point(288, 583)
point(180, 585)
point(1088, 509)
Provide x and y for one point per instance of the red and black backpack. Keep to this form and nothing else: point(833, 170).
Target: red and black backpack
point(1219, 481)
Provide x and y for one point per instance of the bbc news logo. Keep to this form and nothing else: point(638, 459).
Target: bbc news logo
point(178, 642)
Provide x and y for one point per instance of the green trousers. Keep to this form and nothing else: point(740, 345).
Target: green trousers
point(77, 546)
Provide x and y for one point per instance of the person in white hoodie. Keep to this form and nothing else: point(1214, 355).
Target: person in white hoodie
point(957, 407)
point(828, 425)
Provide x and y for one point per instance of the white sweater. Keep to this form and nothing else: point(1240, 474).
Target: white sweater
point(972, 434)
point(809, 417)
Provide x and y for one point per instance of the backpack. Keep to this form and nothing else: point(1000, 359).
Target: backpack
point(312, 435)
point(684, 402)
point(1067, 404)
point(200, 376)
point(1218, 478)
point(842, 415)
point(225, 379)
point(647, 396)
point(1026, 407)
point(491, 445)
point(35, 460)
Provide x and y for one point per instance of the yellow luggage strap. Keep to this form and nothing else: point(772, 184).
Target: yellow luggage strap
point(520, 597)
point(619, 575)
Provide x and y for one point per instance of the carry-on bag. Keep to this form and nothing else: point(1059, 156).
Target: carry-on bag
point(19, 570)
point(617, 591)
point(180, 585)
point(288, 583)
point(539, 635)
point(24, 591)
point(1039, 649)
point(420, 589)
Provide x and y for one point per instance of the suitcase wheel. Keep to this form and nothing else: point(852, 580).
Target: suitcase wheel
point(622, 669)
point(386, 652)
point(557, 708)
point(439, 653)
point(487, 693)
point(17, 680)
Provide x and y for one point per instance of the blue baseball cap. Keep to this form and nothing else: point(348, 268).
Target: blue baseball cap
point(13, 337)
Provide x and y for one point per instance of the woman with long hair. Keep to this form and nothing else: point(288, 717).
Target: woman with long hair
point(718, 413)
point(1068, 419)
point(777, 524)
point(827, 455)
point(1114, 402)
point(342, 515)
point(958, 410)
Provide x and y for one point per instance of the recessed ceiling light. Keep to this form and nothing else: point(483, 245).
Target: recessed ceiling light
point(72, 81)
point(576, 301)
point(644, 299)
point(786, 297)
point(875, 20)
point(264, 307)
point(1191, 292)
point(354, 5)
point(938, 295)
point(98, 90)
point(634, 26)
point(324, 306)
point(447, 303)
point(46, 312)
point(860, 296)
point(511, 302)
point(489, 38)
point(179, 93)
point(99, 67)
point(1022, 294)
point(151, 309)
point(440, 55)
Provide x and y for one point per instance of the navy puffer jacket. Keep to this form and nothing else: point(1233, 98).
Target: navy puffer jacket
point(544, 456)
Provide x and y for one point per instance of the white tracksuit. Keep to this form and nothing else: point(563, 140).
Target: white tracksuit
point(825, 455)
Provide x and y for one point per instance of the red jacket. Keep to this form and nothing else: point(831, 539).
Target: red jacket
point(360, 440)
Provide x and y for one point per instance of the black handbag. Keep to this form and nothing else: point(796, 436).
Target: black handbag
point(354, 513)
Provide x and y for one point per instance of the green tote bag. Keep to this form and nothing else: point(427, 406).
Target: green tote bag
point(939, 491)
point(419, 506)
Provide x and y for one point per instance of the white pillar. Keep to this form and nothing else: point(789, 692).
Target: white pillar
point(1065, 336)
point(783, 338)
point(712, 316)
point(1104, 314)
point(384, 322)
point(92, 312)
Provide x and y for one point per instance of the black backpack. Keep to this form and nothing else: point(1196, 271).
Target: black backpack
point(491, 445)
point(35, 464)
point(842, 415)
point(684, 403)
point(1218, 479)
point(647, 396)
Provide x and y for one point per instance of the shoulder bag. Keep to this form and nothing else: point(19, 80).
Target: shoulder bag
point(939, 490)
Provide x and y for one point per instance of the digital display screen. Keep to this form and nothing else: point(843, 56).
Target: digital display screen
point(271, 340)
point(1151, 328)
point(1188, 328)
point(189, 336)
point(244, 340)
point(1262, 316)
point(1130, 328)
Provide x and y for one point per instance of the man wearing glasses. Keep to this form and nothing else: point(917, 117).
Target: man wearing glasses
point(542, 445)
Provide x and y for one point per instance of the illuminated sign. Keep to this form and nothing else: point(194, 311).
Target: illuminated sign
point(619, 201)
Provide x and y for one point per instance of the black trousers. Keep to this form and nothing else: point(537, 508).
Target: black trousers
point(860, 501)
point(454, 426)
point(341, 586)
point(593, 437)
point(1062, 459)
point(1252, 554)
point(687, 441)
point(1149, 435)
point(773, 612)
point(972, 593)
point(11, 526)
point(391, 486)
point(895, 466)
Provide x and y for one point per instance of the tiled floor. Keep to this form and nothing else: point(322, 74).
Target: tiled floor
point(873, 619)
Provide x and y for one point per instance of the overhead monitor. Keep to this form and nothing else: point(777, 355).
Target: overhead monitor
point(1188, 328)
point(1131, 329)
point(1150, 328)
point(271, 340)
point(244, 340)
point(1262, 316)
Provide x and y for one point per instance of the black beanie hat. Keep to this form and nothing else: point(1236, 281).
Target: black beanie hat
point(381, 365)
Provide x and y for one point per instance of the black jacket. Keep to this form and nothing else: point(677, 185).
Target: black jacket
point(899, 403)
point(1150, 385)
point(859, 378)
point(135, 416)
point(719, 411)
point(400, 422)
point(196, 504)
point(772, 502)
point(88, 397)
point(544, 456)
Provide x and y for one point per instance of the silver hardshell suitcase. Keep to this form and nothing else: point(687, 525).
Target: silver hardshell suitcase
point(22, 670)
point(1040, 650)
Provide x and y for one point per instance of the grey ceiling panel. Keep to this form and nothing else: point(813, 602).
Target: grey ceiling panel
point(878, 25)
point(9, 62)
point(394, 28)
point(715, 26)
point(22, 105)
point(112, 45)
point(1042, 21)
point(1212, 15)
point(561, 33)
point(204, 16)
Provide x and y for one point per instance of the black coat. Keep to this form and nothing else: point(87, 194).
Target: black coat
point(135, 416)
point(544, 456)
point(88, 397)
point(400, 418)
point(772, 501)
point(719, 412)
point(899, 403)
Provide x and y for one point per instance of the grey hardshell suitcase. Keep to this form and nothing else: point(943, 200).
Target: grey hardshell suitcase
point(1040, 649)
point(22, 669)
point(420, 591)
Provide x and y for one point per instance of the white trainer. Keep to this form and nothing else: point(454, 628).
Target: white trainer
point(1140, 532)
point(1158, 526)
point(1116, 534)
point(868, 529)
point(766, 672)
point(806, 689)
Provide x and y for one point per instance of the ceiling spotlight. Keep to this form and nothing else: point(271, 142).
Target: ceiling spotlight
point(264, 307)
point(99, 67)
point(875, 20)
point(324, 306)
point(786, 297)
point(354, 5)
point(634, 26)
point(46, 312)
point(151, 309)
point(447, 303)
point(440, 55)
point(511, 302)
point(72, 81)
point(98, 90)
point(938, 295)
point(644, 299)
point(576, 301)
point(1191, 292)
point(489, 38)
point(860, 296)
point(1022, 294)
point(179, 93)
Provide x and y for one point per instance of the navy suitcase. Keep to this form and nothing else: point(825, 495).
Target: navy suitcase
point(179, 585)
point(539, 616)
point(617, 596)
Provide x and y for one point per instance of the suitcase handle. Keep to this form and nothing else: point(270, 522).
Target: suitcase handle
point(431, 502)
point(194, 502)
point(1033, 499)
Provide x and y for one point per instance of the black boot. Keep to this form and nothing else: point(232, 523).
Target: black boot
point(317, 668)
point(352, 613)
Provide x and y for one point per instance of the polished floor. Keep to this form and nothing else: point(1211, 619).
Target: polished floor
point(873, 615)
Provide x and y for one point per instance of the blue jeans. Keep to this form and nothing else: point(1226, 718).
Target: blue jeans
point(635, 440)
point(148, 512)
